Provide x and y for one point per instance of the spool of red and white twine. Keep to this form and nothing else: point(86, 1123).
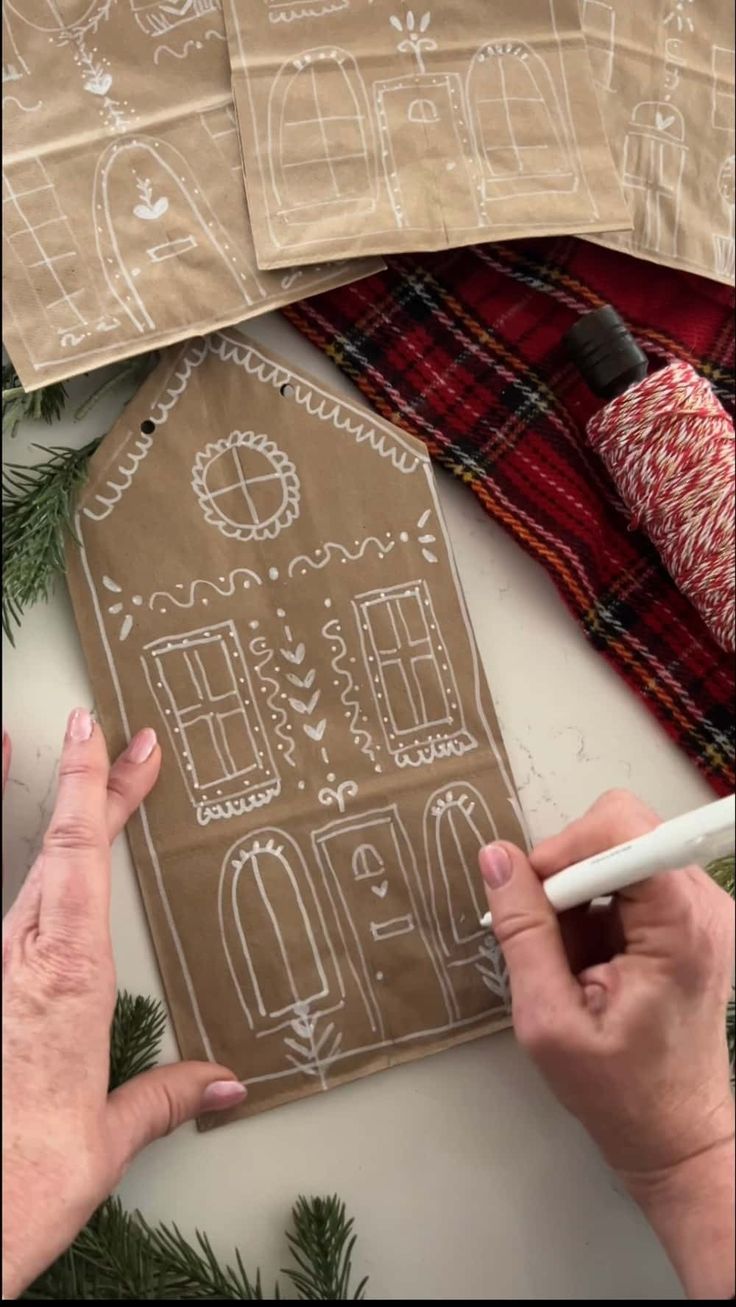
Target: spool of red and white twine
point(668, 443)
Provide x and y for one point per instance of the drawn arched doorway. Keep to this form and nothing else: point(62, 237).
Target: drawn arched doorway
point(517, 124)
point(149, 210)
point(320, 138)
point(273, 933)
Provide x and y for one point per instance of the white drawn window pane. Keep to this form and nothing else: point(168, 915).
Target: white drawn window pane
point(278, 933)
point(429, 690)
point(208, 765)
point(669, 167)
point(639, 160)
point(237, 744)
point(176, 668)
point(244, 485)
point(460, 840)
point(412, 622)
point(383, 627)
point(214, 670)
point(533, 131)
point(403, 700)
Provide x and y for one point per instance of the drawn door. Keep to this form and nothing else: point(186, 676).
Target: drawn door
point(422, 127)
point(654, 159)
point(411, 676)
point(371, 876)
point(517, 124)
point(157, 235)
point(276, 944)
point(203, 690)
point(320, 138)
point(457, 824)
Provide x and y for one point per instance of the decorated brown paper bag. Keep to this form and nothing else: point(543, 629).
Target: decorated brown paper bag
point(263, 574)
point(372, 128)
point(124, 216)
point(665, 77)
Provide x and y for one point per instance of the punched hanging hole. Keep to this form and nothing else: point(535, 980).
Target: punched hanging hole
point(287, 390)
point(148, 427)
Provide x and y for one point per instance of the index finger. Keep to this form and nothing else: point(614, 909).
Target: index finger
point(614, 818)
point(75, 858)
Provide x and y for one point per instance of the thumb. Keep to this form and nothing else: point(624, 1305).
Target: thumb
point(155, 1103)
point(526, 927)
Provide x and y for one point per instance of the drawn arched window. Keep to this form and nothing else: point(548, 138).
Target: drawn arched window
point(654, 159)
point(517, 123)
point(320, 137)
point(423, 111)
point(149, 210)
point(273, 932)
point(457, 824)
point(246, 486)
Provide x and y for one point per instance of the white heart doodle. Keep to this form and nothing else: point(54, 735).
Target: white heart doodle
point(306, 708)
point(99, 85)
point(150, 212)
point(663, 123)
point(305, 682)
point(316, 732)
point(380, 890)
point(295, 656)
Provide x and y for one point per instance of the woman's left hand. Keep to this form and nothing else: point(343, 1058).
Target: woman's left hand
point(66, 1141)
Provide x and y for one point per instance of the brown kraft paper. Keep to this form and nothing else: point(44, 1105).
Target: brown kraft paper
point(263, 574)
point(403, 127)
point(665, 77)
point(125, 223)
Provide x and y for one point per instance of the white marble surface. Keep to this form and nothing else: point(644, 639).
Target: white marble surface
point(465, 1178)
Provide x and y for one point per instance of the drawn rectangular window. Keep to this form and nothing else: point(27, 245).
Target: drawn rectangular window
point(410, 674)
point(202, 687)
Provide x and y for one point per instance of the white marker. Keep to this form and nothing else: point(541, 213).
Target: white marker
point(698, 836)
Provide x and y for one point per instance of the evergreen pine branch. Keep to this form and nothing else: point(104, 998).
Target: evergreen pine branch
point(37, 506)
point(44, 405)
point(138, 1025)
point(322, 1245)
point(722, 871)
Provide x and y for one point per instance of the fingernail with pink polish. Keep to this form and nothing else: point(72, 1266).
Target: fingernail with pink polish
point(80, 726)
point(223, 1093)
point(495, 866)
point(141, 746)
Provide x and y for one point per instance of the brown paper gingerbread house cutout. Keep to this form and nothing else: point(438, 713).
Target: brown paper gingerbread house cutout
point(263, 574)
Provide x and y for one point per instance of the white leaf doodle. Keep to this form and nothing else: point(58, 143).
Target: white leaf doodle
point(316, 732)
point(381, 890)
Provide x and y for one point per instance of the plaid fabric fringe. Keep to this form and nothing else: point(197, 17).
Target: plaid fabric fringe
point(463, 349)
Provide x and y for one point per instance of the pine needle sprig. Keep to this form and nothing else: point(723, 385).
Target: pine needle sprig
point(322, 1246)
point(118, 1256)
point(38, 504)
point(135, 1038)
point(45, 405)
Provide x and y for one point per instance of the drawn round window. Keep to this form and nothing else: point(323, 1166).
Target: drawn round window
point(247, 487)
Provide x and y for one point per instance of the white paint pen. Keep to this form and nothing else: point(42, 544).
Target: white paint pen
point(698, 836)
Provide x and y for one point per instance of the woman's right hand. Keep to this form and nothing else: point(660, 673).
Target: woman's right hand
point(623, 1010)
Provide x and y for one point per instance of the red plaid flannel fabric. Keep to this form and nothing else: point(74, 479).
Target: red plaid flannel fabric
point(463, 349)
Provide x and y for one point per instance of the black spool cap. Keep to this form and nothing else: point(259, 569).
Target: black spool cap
point(605, 352)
